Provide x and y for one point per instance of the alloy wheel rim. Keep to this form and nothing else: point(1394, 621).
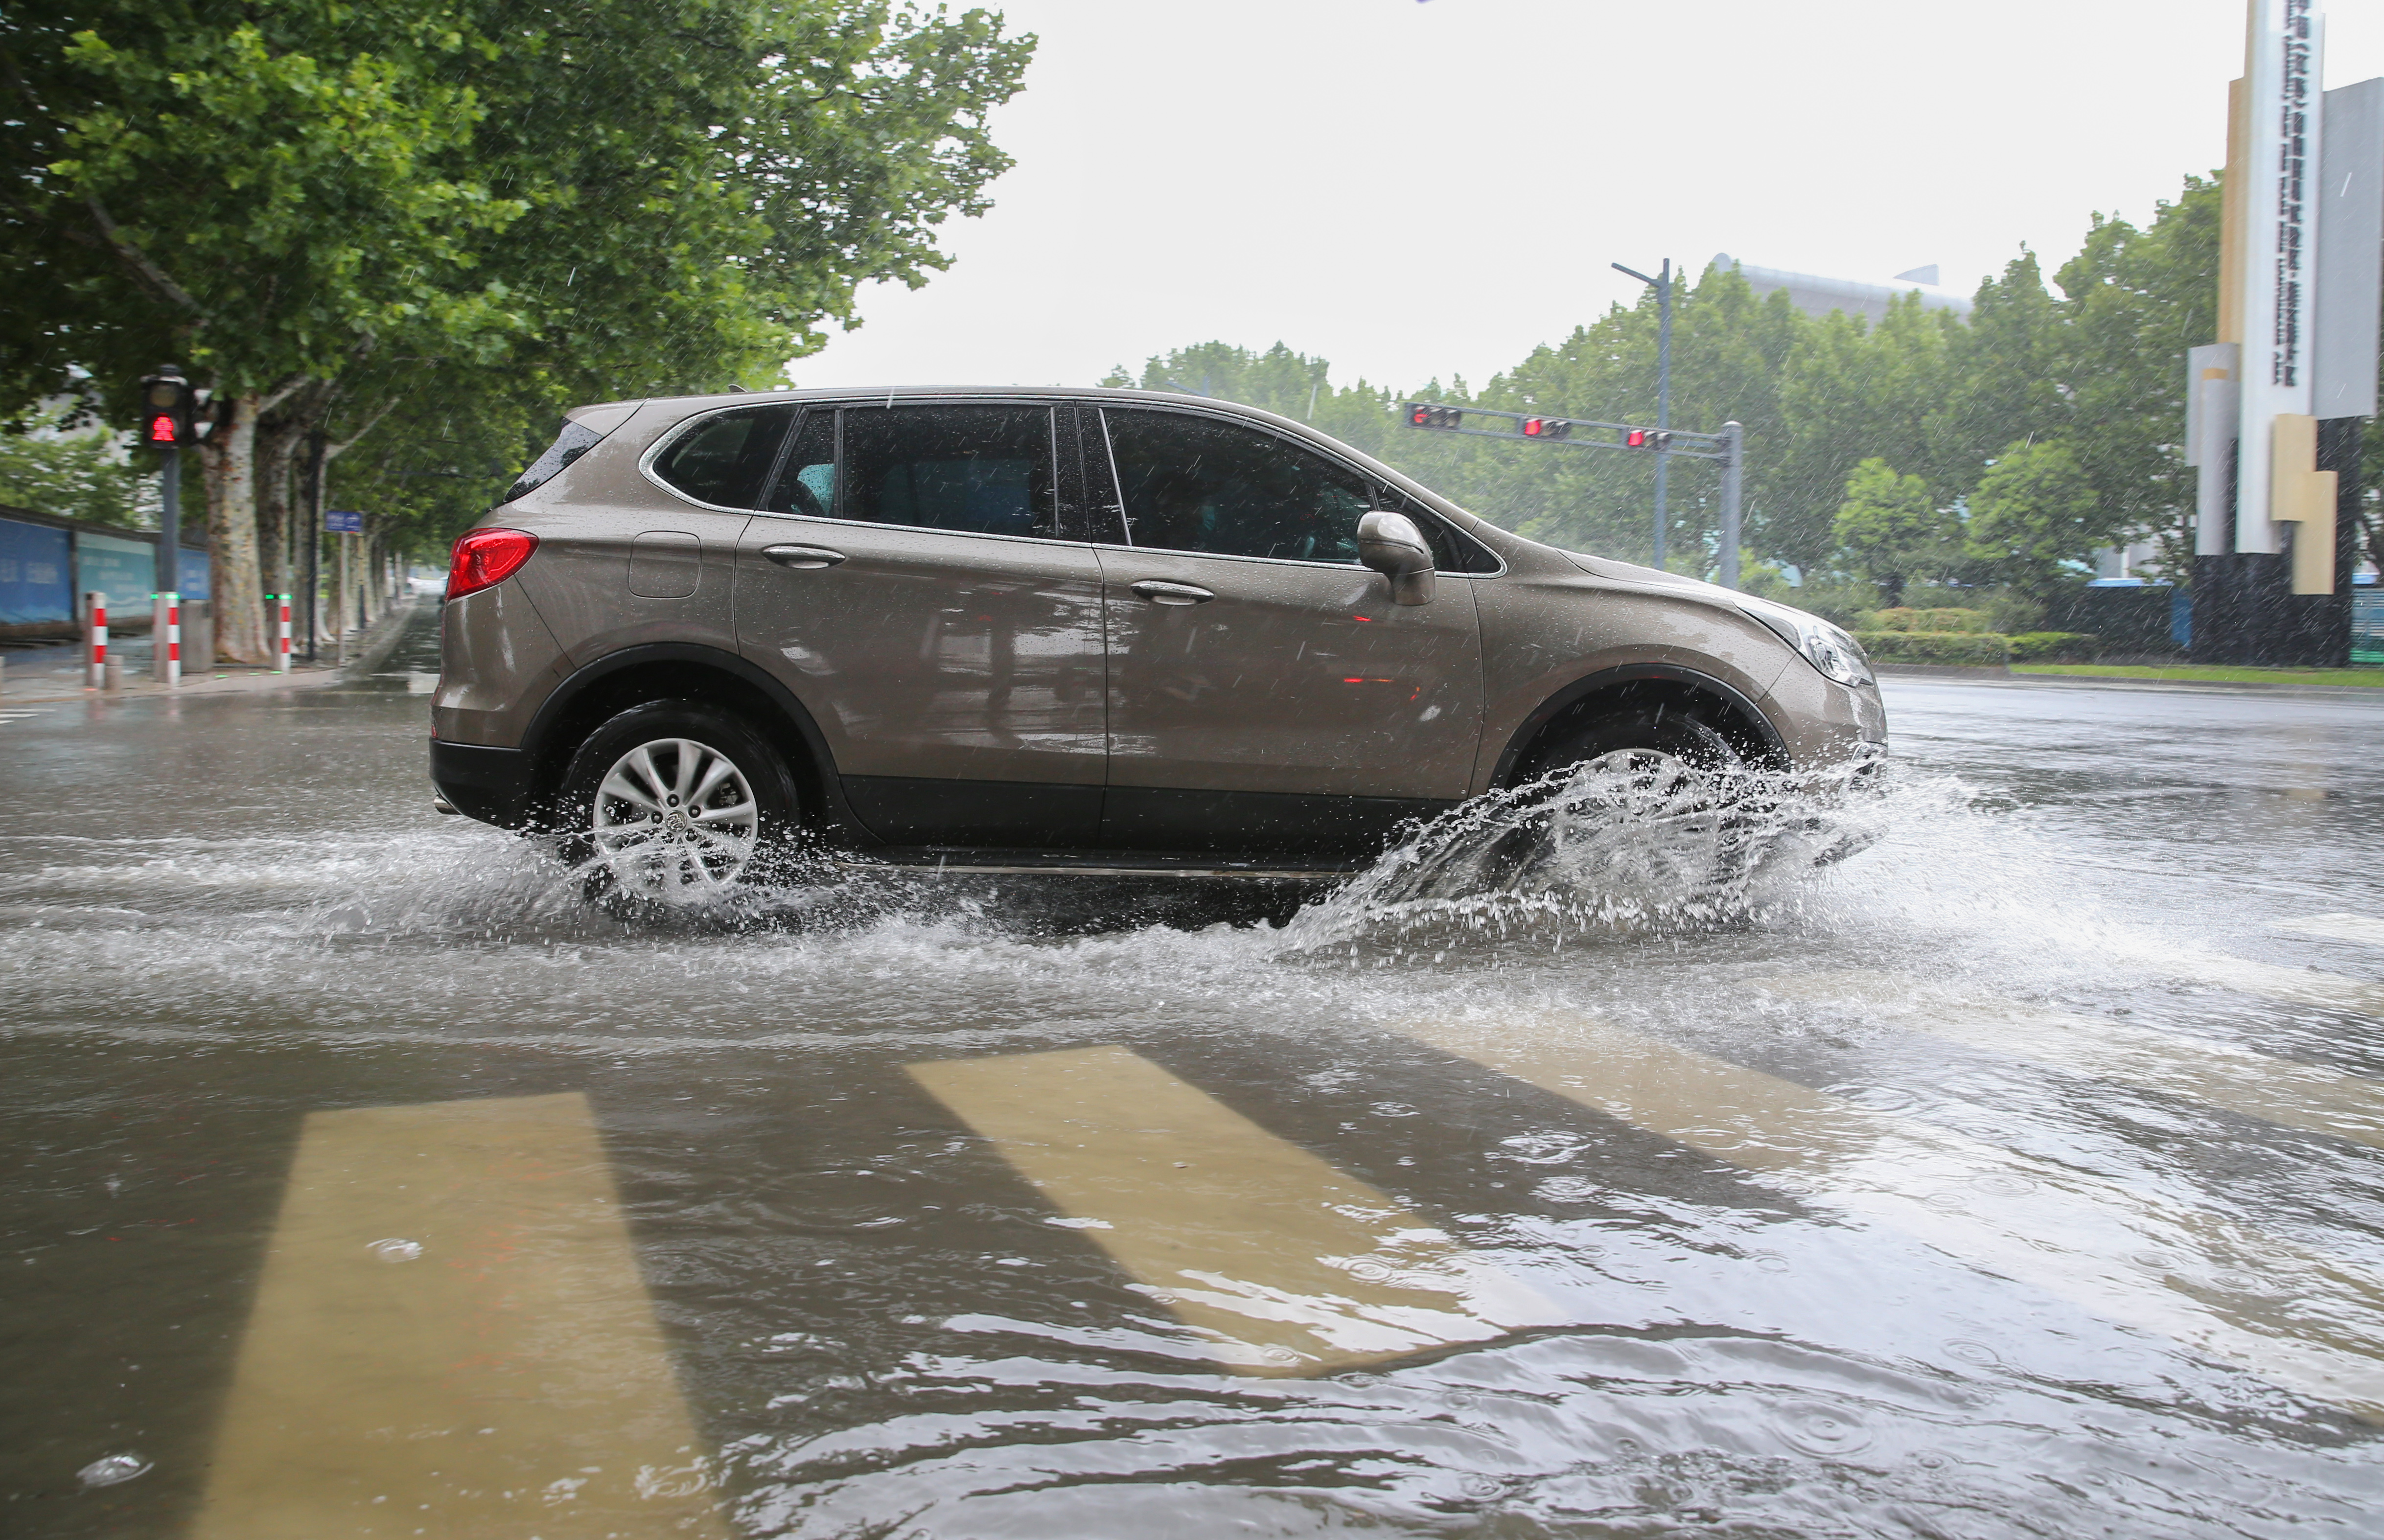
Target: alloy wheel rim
point(675, 820)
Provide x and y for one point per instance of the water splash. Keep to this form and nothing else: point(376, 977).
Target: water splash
point(1620, 845)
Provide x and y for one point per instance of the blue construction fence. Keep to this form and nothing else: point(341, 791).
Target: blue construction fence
point(46, 566)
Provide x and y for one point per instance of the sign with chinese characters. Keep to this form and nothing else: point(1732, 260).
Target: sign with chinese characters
point(2277, 232)
point(343, 521)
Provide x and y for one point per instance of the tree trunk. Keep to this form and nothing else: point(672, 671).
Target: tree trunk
point(277, 467)
point(238, 601)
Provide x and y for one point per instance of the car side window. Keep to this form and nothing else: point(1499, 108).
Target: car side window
point(979, 471)
point(1193, 483)
point(806, 482)
point(725, 459)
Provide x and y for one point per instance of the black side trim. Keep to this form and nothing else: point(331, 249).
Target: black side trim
point(492, 785)
point(549, 745)
point(1140, 864)
point(906, 811)
point(1256, 823)
point(1582, 689)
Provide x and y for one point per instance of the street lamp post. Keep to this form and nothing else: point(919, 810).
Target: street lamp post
point(1662, 284)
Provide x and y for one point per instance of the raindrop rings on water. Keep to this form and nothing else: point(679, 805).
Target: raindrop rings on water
point(1822, 1430)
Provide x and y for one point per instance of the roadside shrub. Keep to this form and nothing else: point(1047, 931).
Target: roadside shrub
point(2055, 647)
point(2012, 612)
point(1965, 648)
point(1840, 601)
point(1939, 622)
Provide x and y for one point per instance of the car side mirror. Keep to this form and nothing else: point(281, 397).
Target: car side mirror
point(1392, 545)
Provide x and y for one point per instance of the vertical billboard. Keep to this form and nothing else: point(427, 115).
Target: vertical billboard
point(2279, 247)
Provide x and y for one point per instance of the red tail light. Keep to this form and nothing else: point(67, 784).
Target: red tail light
point(486, 557)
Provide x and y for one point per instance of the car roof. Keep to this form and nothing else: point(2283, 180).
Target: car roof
point(863, 392)
point(683, 407)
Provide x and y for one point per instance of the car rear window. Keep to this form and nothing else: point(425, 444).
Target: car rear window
point(576, 439)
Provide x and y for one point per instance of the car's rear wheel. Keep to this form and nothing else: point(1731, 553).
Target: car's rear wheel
point(674, 802)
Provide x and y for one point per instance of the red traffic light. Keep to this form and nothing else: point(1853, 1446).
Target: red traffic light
point(1424, 415)
point(166, 401)
point(1646, 438)
point(1547, 427)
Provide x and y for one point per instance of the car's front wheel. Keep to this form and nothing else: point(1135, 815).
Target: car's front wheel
point(674, 802)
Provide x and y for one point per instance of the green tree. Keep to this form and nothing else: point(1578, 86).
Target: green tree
point(1889, 529)
point(332, 212)
point(2137, 300)
point(1849, 392)
point(2035, 519)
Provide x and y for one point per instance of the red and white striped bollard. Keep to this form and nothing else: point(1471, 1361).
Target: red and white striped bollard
point(281, 653)
point(97, 604)
point(173, 642)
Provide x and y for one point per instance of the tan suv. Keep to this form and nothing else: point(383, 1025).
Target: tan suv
point(1078, 629)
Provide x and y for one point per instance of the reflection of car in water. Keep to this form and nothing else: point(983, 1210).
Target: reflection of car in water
point(1091, 629)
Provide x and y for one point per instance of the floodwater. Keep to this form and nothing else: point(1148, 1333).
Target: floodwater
point(2018, 1175)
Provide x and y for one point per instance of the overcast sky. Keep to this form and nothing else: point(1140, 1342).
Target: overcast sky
point(1419, 188)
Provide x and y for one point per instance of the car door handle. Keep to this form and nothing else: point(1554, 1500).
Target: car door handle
point(803, 557)
point(1171, 593)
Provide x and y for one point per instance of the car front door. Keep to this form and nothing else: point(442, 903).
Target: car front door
point(911, 581)
point(1264, 692)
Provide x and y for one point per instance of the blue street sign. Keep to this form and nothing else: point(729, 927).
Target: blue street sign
point(343, 521)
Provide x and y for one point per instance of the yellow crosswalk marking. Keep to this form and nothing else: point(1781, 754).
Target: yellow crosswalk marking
point(2220, 1075)
point(1289, 1265)
point(2341, 927)
point(2221, 1288)
point(451, 1339)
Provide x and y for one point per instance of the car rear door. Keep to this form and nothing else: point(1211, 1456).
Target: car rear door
point(912, 583)
point(1264, 693)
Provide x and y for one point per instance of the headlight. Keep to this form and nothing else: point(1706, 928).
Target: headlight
point(1824, 646)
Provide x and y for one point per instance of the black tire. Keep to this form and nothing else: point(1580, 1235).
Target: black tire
point(1660, 728)
point(620, 859)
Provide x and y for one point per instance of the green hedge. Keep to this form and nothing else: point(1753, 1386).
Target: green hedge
point(2055, 647)
point(1936, 622)
point(1963, 648)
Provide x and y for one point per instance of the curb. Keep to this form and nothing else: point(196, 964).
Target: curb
point(2183, 686)
point(373, 649)
point(1943, 670)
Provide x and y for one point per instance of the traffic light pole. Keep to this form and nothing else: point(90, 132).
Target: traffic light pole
point(1729, 447)
point(1733, 471)
point(170, 520)
point(1662, 284)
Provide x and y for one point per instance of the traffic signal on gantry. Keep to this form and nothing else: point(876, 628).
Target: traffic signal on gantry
point(1646, 438)
point(1424, 415)
point(166, 409)
point(1547, 427)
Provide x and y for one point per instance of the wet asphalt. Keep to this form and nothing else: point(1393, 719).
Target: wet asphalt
point(2022, 1173)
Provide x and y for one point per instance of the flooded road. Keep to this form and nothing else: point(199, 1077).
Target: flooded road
point(2017, 1175)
